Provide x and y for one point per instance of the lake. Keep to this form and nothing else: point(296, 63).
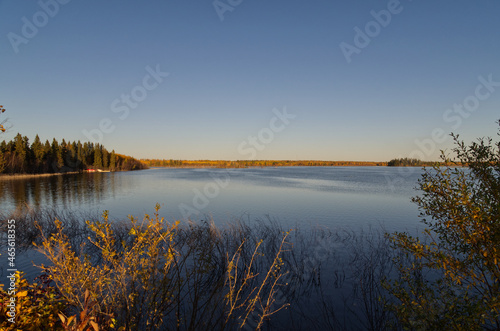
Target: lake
point(352, 198)
point(323, 196)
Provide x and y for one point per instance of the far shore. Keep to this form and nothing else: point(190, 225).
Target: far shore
point(253, 163)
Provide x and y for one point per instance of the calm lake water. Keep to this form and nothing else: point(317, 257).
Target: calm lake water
point(327, 197)
point(324, 196)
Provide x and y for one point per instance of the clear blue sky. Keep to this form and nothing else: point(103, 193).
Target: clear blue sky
point(65, 68)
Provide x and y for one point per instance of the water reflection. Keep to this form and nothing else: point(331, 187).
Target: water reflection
point(59, 191)
point(328, 196)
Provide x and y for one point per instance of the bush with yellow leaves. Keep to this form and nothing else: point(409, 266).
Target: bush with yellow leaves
point(154, 275)
point(452, 279)
point(37, 305)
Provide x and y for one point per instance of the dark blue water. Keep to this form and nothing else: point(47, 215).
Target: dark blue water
point(326, 196)
point(352, 198)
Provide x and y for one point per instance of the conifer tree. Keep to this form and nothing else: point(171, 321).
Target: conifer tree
point(79, 154)
point(88, 153)
point(64, 152)
point(38, 152)
point(97, 156)
point(20, 146)
point(112, 161)
point(18, 156)
point(58, 161)
point(105, 158)
point(21, 151)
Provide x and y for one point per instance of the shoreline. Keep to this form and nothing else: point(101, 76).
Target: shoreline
point(24, 176)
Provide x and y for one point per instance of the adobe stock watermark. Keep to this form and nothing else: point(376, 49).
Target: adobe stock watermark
point(454, 116)
point(221, 179)
point(372, 29)
point(127, 101)
point(30, 27)
point(223, 6)
point(202, 198)
point(11, 303)
point(254, 144)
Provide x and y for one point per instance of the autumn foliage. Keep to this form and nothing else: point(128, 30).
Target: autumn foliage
point(453, 279)
point(253, 163)
point(150, 274)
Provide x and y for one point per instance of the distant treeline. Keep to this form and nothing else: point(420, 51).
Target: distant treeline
point(253, 163)
point(409, 162)
point(18, 156)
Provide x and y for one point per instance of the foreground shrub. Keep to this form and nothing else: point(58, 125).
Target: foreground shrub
point(453, 281)
point(37, 305)
point(152, 275)
point(331, 275)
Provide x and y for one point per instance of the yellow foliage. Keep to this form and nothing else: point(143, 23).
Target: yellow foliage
point(460, 207)
point(138, 278)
